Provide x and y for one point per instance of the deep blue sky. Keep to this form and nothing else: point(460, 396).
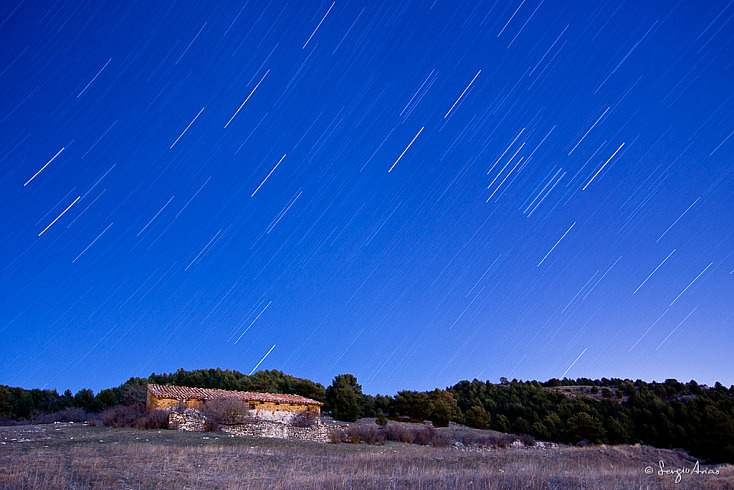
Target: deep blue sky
point(412, 192)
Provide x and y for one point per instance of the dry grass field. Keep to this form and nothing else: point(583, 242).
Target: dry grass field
point(78, 456)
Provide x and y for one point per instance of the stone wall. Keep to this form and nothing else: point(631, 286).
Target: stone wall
point(194, 420)
point(265, 428)
point(190, 419)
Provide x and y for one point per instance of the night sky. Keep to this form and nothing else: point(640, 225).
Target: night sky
point(412, 192)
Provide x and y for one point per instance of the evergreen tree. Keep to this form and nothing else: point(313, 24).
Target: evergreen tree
point(477, 417)
point(343, 398)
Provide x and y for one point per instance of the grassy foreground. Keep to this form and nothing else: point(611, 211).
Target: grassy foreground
point(77, 456)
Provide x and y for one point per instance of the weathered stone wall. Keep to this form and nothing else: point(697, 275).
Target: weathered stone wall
point(273, 416)
point(190, 419)
point(194, 420)
point(264, 428)
point(284, 407)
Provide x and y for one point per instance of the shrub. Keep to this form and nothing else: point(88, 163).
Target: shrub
point(120, 416)
point(527, 440)
point(362, 433)
point(133, 395)
point(381, 437)
point(211, 425)
point(305, 419)
point(500, 441)
point(135, 416)
point(337, 435)
point(153, 419)
point(6, 421)
point(226, 411)
point(406, 419)
point(381, 419)
point(69, 414)
point(399, 433)
point(429, 436)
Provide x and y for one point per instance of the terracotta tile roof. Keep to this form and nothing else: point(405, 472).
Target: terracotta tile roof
point(188, 393)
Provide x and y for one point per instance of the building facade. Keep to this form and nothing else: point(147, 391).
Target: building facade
point(267, 406)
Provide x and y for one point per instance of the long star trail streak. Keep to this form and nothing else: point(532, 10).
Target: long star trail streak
point(345, 350)
point(317, 27)
point(676, 328)
point(648, 329)
point(282, 213)
point(506, 150)
point(467, 307)
point(510, 19)
point(462, 94)
point(406, 149)
point(156, 215)
point(526, 23)
point(248, 98)
point(719, 146)
point(99, 139)
point(253, 322)
point(541, 142)
point(552, 179)
point(554, 246)
point(348, 31)
point(653, 272)
point(588, 131)
point(261, 360)
point(579, 292)
point(192, 42)
point(192, 197)
point(93, 242)
point(93, 79)
point(547, 193)
point(548, 51)
point(59, 216)
point(416, 92)
point(677, 219)
point(99, 180)
point(41, 170)
point(689, 285)
point(187, 128)
point(506, 176)
point(574, 362)
point(202, 250)
point(506, 164)
point(602, 167)
point(268, 176)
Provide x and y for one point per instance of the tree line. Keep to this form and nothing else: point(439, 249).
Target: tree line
point(671, 414)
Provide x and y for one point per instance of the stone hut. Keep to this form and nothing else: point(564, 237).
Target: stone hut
point(271, 415)
point(266, 406)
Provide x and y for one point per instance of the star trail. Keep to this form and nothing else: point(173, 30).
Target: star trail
point(412, 192)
